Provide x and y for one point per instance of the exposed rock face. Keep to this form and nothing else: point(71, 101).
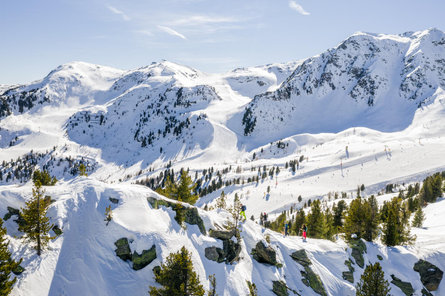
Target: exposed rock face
point(358, 249)
point(11, 211)
point(264, 254)
point(430, 274)
point(114, 200)
point(192, 217)
point(310, 278)
point(301, 257)
point(215, 254)
point(221, 234)
point(349, 275)
point(18, 270)
point(57, 230)
point(142, 260)
point(123, 249)
point(280, 288)
point(231, 251)
point(191, 214)
point(406, 287)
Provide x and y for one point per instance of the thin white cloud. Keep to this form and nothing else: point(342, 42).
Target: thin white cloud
point(172, 32)
point(119, 12)
point(204, 20)
point(298, 8)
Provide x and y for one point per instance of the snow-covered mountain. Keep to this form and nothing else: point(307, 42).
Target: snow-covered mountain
point(370, 111)
point(376, 81)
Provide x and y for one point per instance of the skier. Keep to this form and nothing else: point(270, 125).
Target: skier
point(304, 230)
point(243, 212)
point(286, 229)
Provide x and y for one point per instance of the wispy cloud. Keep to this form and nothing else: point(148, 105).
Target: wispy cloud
point(298, 8)
point(196, 20)
point(114, 10)
point(172, 32)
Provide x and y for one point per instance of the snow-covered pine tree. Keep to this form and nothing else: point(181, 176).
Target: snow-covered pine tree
point(177, 276)
point(36, 224)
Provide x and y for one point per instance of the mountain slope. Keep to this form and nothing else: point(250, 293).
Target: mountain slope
point(375, 81)
point(370, 111)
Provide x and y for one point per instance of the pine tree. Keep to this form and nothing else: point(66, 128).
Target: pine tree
point(372, 282)
point(108, 214)
point(252, 289)
point(82, 170)
point(221, 201)
point(371, 218)
point(396, 227)
point(338, 210)
point(235, 211)
point(419, 217)
point(315, 220)
point(7, 264)
point(36, 224)
point(328, 225)
point(355, 220)
point(44, 178)
point(185, 189)
point(177, 277)
point(212, 291)
point(300, 219)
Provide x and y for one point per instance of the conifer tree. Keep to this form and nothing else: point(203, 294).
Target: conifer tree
point(395, 227)
point(36, 224)
point(315, 220)
point(235, 210)
point(82, 170)
point(371, 218)
point(212, 291)
point(372, 282)
point(419, 217)
point(177, 277)
point(7, 264)
point(44, 178)
point(328, 225)
point(252, 289)
point(108, 214)
point(221, 201)
point(339, 210)
point(186, 189)
point(300, 219)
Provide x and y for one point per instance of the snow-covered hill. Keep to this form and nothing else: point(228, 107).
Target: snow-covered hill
point(376, 81)
point(370, 111)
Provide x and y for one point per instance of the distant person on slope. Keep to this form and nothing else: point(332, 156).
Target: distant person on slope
point(243, 212)
point(304, 230)
point(286, 229)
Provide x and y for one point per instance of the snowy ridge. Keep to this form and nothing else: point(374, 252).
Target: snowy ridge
point(370, 111)
point(362, 82)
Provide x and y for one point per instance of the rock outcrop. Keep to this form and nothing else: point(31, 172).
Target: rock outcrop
point(123, 249)
point(264, 254)
point(139, 260)
point(430, 274)
point(145, 258)
point(406, 287)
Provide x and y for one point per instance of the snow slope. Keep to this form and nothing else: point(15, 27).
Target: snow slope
point(370, 111)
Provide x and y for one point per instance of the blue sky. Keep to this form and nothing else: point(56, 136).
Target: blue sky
point(210, 35)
